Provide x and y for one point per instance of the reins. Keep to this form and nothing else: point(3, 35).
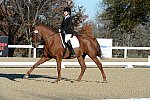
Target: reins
point(44, 38)
point(48, 36)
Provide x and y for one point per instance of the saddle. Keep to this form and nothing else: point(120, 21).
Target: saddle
point(69, 43)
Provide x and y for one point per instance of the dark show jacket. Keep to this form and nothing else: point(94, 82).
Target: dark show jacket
point(66, 26)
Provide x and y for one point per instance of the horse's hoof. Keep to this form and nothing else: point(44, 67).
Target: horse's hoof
point(25, 77)
point(104, 81)
point(56, 81)
point(77, 80)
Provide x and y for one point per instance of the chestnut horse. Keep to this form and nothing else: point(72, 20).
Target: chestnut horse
point(53, 48)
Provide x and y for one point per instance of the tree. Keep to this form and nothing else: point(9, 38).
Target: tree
point(122, 17)
point(18, 15)
point(126, 22)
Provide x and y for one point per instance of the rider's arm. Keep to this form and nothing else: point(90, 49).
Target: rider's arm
point(68, 24)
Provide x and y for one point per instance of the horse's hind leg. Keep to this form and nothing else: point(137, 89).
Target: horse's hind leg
point(42, 60)
point(83, 67)
point(58, 60)
point(99, 64)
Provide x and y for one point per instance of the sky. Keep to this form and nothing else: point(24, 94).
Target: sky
point(90, 7)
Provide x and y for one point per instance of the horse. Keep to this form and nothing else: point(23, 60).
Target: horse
point(53, 48)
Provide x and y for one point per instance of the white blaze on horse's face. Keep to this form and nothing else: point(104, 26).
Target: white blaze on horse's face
point(35, 38)
point(36, 31)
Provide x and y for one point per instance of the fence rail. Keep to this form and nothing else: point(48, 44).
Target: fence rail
point(131, 48)
point(6, 62)
point(41, 46)
point(74, 64)
point(126, 64)
point(26, 46)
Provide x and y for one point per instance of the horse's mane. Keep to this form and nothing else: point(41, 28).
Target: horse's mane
point(56, 31)
point(53, 28)
point(49, 28)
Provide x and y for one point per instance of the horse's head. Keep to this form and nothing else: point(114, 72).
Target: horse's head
point(36, 37)
point(41, 34)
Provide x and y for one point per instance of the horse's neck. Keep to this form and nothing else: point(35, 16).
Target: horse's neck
point(53, 40)
point(45, 31)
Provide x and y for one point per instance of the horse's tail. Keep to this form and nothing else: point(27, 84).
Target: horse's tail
point(99, 51)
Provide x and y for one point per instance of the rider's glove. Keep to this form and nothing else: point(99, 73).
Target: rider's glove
point(59, 30)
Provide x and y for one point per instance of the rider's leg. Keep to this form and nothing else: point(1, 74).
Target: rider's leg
point(63, 34)
point(69, 45)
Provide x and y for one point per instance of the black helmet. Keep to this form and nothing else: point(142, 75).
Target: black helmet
point(67, 9)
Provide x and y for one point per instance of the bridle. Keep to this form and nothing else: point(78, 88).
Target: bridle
point(37, 34)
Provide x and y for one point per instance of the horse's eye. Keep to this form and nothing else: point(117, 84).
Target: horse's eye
point(33, 34)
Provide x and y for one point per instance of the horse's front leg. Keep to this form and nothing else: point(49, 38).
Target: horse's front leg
point(58, 60)
point(42, 60)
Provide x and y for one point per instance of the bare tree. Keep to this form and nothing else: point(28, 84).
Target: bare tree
point(19, 14)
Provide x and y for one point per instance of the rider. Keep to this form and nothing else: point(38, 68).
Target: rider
point(67, 28)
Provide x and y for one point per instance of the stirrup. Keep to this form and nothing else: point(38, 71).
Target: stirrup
point(73, 55)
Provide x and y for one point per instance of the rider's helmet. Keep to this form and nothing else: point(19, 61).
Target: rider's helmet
point(68, 10)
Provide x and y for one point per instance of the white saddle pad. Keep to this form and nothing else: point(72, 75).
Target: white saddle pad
point(74, 40)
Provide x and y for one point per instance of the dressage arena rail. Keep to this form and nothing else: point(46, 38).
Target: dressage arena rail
point(123, 62)
point(20, 62)
point(41, 46)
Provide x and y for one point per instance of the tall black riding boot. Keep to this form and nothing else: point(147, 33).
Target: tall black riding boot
point(71, 48)
point(63, 36)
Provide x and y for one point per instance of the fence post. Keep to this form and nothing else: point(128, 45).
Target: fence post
point(34, 52)
point(125, 53)
point(148, 60)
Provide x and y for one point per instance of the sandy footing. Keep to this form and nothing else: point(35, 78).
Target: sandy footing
point(122, 84)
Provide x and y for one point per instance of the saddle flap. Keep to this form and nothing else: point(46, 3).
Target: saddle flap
point(74, 40)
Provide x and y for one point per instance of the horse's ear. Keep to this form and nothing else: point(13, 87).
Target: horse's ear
point(30, 26)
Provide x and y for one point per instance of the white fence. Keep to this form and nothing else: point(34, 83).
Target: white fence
point(131, 48)
point(26, 46)
point(41, 46)
point(74, 64)
point(128, 64)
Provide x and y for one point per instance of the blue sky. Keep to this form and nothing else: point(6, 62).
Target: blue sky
point(90, 6)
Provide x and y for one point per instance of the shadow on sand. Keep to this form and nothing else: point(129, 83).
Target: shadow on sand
point(12, 77)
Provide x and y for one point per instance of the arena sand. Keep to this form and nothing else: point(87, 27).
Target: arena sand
point(122, 84)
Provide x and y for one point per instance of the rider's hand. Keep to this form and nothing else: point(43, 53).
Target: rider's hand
point(59, 30)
